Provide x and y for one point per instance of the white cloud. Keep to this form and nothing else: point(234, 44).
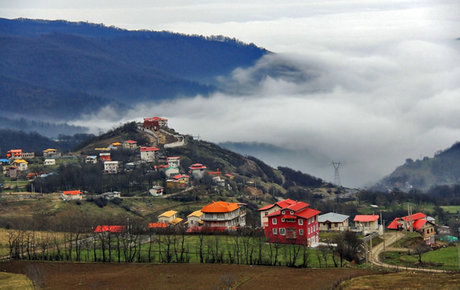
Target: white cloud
point(371, 82)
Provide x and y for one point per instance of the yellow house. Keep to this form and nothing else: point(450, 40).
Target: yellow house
point(194, 219)
point(21, 164)
point(169, 217)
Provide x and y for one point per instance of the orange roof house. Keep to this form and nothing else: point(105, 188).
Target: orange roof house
point(109, 229)
point(71, 195)
point(221, 214)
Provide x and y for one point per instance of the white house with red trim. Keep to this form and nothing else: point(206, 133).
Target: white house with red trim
point(148, 154)
point(197, 170)
point(294, 224)
point(72, 195)
point(367, 223)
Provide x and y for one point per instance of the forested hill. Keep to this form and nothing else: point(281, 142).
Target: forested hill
point(422, 174)
point(67, 68)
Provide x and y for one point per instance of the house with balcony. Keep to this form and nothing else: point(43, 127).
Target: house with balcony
point(14, 154)
point(221, 215)
point(130, 145)
point(294, 224)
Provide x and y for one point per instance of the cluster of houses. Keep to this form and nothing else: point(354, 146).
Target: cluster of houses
point(218, 216)
point(16, 161)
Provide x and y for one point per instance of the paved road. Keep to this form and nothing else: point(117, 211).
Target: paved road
point(390, 238)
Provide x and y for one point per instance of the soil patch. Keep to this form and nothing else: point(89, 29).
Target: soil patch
point(55, 275)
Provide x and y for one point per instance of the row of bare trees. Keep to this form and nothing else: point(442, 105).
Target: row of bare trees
point(173, 245)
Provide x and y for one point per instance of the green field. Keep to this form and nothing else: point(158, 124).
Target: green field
point(452, 209)
point(445, 258)
point(14, 281)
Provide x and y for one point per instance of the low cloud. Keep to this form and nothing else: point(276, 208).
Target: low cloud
point(367, 83)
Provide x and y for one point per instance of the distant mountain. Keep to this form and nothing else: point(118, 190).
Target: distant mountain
point(62, 69)
point(422, 174)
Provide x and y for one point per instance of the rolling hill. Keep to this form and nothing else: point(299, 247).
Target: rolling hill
point(56, 70)
point(441, 169)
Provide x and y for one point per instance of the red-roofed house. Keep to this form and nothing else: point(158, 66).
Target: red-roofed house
point(155, 123)
point(72, 195)
point(197, 170)
point(293, 224)
point(268, 209)
point(109, 229)
point(367, 223)
point(148, 153)
point(420, 224)
point(130, 144)
point(221, 214)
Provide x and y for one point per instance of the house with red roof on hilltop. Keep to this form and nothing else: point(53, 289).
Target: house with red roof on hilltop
point(295, 223)
point(109, 229)
point(418, 222)
point(223, 215)
point(197, 170)
point(155, 123)
point(268, 209)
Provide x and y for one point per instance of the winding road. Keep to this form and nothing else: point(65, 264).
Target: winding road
point(389, 239)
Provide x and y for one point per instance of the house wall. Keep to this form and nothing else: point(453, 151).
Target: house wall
point(148, 156)
point(343, 226)
point(264, 213)
point(291, 231)
point(166, 219)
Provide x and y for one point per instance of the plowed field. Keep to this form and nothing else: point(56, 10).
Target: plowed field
point(53, 275)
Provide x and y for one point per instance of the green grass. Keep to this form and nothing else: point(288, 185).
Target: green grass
point(445, 258)
point(452, 209)
point(15, 281)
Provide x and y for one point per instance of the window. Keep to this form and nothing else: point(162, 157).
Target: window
point(301, 232)
point(266, 213)
point(309, 231)
point(300, 222)
point(275, 232)
point(291, 212)
point(283, 212)
point(274, 221)
point(283, 220)
point(282, 231)
point(309, 221)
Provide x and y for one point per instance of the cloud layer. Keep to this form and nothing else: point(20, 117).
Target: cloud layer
point(362, 82)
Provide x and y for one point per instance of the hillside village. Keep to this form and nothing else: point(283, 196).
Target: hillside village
point(148, 153)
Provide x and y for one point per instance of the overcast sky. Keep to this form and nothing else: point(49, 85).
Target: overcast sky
point(375, 83)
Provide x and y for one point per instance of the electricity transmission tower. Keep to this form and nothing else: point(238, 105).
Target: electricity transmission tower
point(337, 166)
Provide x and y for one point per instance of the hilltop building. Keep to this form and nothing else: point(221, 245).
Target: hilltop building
point(155, 123)
point(21, 164)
